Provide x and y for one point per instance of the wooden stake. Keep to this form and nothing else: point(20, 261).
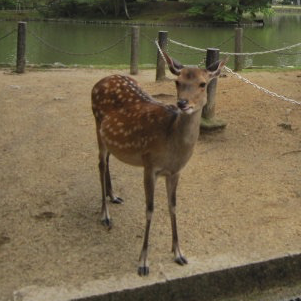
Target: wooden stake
point(238, 59)
point(21, 47)
point(134, 50)
point(162, 40)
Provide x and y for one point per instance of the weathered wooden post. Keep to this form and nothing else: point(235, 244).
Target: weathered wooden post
point(162, 40)
point(208, 121)
point(21, 47)
point(238, 59)
point(134, 50)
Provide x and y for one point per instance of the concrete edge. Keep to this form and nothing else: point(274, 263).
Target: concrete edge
point(218, 284)
point(225, 283)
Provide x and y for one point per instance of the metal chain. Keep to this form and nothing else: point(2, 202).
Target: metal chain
point(233, 53)
point(264, 48)
point(225, 42)
point(261, 88)
point(147, 37)
point(80, 54)
point(8, 34)
point(244, 80)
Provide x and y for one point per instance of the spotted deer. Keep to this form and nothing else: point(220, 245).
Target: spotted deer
point(141, 131)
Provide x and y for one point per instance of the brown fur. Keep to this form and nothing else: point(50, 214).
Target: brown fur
point(141, 131)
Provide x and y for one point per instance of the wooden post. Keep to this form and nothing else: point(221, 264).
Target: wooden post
point(209, 108)
point(162, 40)
point(208, 121)
point(134, 50)
point(21, 47)
point(238, 59)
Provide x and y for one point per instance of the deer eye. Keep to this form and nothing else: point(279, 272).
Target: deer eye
point(177, 83)
point(202, 85)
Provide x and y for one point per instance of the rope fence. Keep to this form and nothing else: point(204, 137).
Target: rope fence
point(245, 80)
point(167, 42)
point(261, 88)
point(235, 53)
point(264, 48)
point(188, 49)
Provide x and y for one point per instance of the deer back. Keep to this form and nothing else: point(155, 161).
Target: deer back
point(131, 120)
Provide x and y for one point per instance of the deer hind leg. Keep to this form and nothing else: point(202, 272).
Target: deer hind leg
point(109, 190)
point(105, 216)
point(103, 170)
point(171, 186)
point(149, 187)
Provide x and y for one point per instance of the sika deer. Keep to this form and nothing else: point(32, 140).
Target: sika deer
point(141, 131)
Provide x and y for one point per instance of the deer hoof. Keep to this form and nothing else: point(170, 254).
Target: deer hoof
point(107, 223)
point(143, 271)
point(181, 260)
point(117, 200)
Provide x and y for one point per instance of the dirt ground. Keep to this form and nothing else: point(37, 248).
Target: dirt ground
point(239, 197)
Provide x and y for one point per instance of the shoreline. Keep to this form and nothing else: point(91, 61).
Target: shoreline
point(134, 23)
point(35, 16)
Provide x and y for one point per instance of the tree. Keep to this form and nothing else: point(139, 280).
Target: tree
point(117, 6)
point(228, 10)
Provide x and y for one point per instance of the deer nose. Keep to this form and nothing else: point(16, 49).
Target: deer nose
point(182, 103)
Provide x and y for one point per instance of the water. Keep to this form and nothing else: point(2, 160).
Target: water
point(279, 31)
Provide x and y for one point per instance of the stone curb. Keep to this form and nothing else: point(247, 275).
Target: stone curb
point(198, 287)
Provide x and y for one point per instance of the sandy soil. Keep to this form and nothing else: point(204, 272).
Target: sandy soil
point(239, 196)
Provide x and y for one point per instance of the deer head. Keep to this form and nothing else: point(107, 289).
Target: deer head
point(192, 82)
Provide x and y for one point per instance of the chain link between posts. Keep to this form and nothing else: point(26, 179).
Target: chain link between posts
point(8, 34)
point(79, 54)
point(244, 80)
point(261, 88)
point(264, 48)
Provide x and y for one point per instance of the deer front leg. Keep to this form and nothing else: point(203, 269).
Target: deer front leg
point(171, 186)
point(149, 187)
point(109, 190)
point(105, 216)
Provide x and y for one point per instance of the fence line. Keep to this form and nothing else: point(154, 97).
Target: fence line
point(238, 53)
point(224, 42)
point(264, 48)
point(198, 52)
point(79, 54)
point(261, 88)
point(244, 80)
point(8, 34)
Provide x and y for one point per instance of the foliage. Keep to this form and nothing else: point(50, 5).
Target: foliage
point(72, 8)
point(7, 4)
point(83, 8)
point(228, 10)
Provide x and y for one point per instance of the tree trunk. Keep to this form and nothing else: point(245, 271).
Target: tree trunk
point(116, 7)
point(126, 10)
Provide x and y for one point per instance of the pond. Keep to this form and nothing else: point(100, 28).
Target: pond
point(61, 42)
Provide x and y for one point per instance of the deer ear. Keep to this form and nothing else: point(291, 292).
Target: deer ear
point(216, 68)
point(173, 65)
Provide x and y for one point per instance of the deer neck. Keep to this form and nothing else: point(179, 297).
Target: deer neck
point(186, 129)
